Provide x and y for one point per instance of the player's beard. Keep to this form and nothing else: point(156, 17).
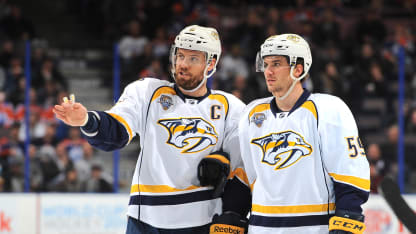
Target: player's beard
point(190, 83)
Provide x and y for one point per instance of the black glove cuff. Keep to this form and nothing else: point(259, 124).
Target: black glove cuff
point(350, 215)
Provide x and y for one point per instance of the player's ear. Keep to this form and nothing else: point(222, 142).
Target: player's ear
point(212, 64)
point(298, 70)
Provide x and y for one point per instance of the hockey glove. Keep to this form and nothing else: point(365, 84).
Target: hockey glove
point(213, 170)
point(228, 222)
point(346, 222)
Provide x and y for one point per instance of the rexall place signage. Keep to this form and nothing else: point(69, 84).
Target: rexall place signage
point(83, 213)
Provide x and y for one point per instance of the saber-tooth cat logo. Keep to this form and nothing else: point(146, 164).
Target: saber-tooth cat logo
point(190, 134)
point(283, 149)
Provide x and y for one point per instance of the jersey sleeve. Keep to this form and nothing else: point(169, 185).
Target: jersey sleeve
point(343, 154)
point(245, 147)
point(131, 108)
point(236, 195)
point(115, 128)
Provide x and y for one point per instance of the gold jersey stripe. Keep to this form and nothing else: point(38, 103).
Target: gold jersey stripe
point(363, 184)
point(292, 209)
point(241, 174)
point(158, 188)
point(163, 90)
point(221, 99)
point(219, 157)
point(252, 185)
point(311, 107)
point(124, 123)
point(259, 108)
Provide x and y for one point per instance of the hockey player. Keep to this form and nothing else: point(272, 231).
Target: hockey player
point(302, 154)
point(183, 126)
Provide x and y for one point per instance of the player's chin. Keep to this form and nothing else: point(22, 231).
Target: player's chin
point(186, 84)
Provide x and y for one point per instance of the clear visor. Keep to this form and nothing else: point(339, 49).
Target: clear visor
point(190, 59)
point(259, 63)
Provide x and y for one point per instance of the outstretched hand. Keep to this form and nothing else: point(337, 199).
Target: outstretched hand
point(70, 112)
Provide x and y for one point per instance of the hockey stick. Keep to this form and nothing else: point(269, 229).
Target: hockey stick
point(391, 192)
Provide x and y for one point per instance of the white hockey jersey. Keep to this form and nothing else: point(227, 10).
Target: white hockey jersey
point(293, 160)
point(176, 132)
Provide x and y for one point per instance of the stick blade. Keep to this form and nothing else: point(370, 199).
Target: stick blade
point(391, 193)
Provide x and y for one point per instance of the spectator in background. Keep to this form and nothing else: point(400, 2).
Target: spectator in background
point(16, 178)
point(37, 127)
point(1, 184)
point(232, 65)
point(78, 151)
point(389, 148)
point(47, 155)
point(6, 112)
point(70, 184)
point(14, 74)
point(132, 45)
point(370, 28)
point(411, 122)
point(249, 34)
point(36, 172)
point(333, 81)
point(16, 26)
point(97, 183)
point(161, 44)
point(154, 70)
point(49, 74)
point(275, 21)
point(377, 166)
point(4, 8)
point(6, 53)
point(326, 29)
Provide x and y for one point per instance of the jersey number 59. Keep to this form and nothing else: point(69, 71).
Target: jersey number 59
point(352, 146)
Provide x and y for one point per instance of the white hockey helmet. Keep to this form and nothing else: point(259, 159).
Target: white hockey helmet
point(198, 38)
point(291, 45)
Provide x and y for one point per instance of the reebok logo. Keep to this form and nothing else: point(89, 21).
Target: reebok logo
point(218, 229)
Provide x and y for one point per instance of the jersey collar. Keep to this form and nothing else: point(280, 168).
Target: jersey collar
point(184, 97)
point(275, 110)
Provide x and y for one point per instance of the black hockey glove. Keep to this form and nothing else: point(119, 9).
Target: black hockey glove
point(346, 222)
point(228, 222)
point(213, 170)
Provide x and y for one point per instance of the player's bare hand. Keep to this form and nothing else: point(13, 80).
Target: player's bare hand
point(70, 112)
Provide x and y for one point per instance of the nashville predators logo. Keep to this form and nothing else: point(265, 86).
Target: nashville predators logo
point(293, 38)
point(190, 134)
point(283, 149)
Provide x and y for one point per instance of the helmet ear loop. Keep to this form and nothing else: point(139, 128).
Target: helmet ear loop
point(209, 61)
point(172, 59)
point(295, 80)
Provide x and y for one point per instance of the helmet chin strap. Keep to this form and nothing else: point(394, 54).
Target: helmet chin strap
point(295, 80)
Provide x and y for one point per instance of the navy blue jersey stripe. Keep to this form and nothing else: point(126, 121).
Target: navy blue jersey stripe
point(160, 200)
point(291, 221)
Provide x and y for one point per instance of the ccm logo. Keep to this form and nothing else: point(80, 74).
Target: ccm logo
point(348, 225)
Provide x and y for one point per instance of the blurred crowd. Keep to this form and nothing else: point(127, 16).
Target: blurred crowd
point(354, 45)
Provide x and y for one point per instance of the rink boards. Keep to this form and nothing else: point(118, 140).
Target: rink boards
point(106, 214)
